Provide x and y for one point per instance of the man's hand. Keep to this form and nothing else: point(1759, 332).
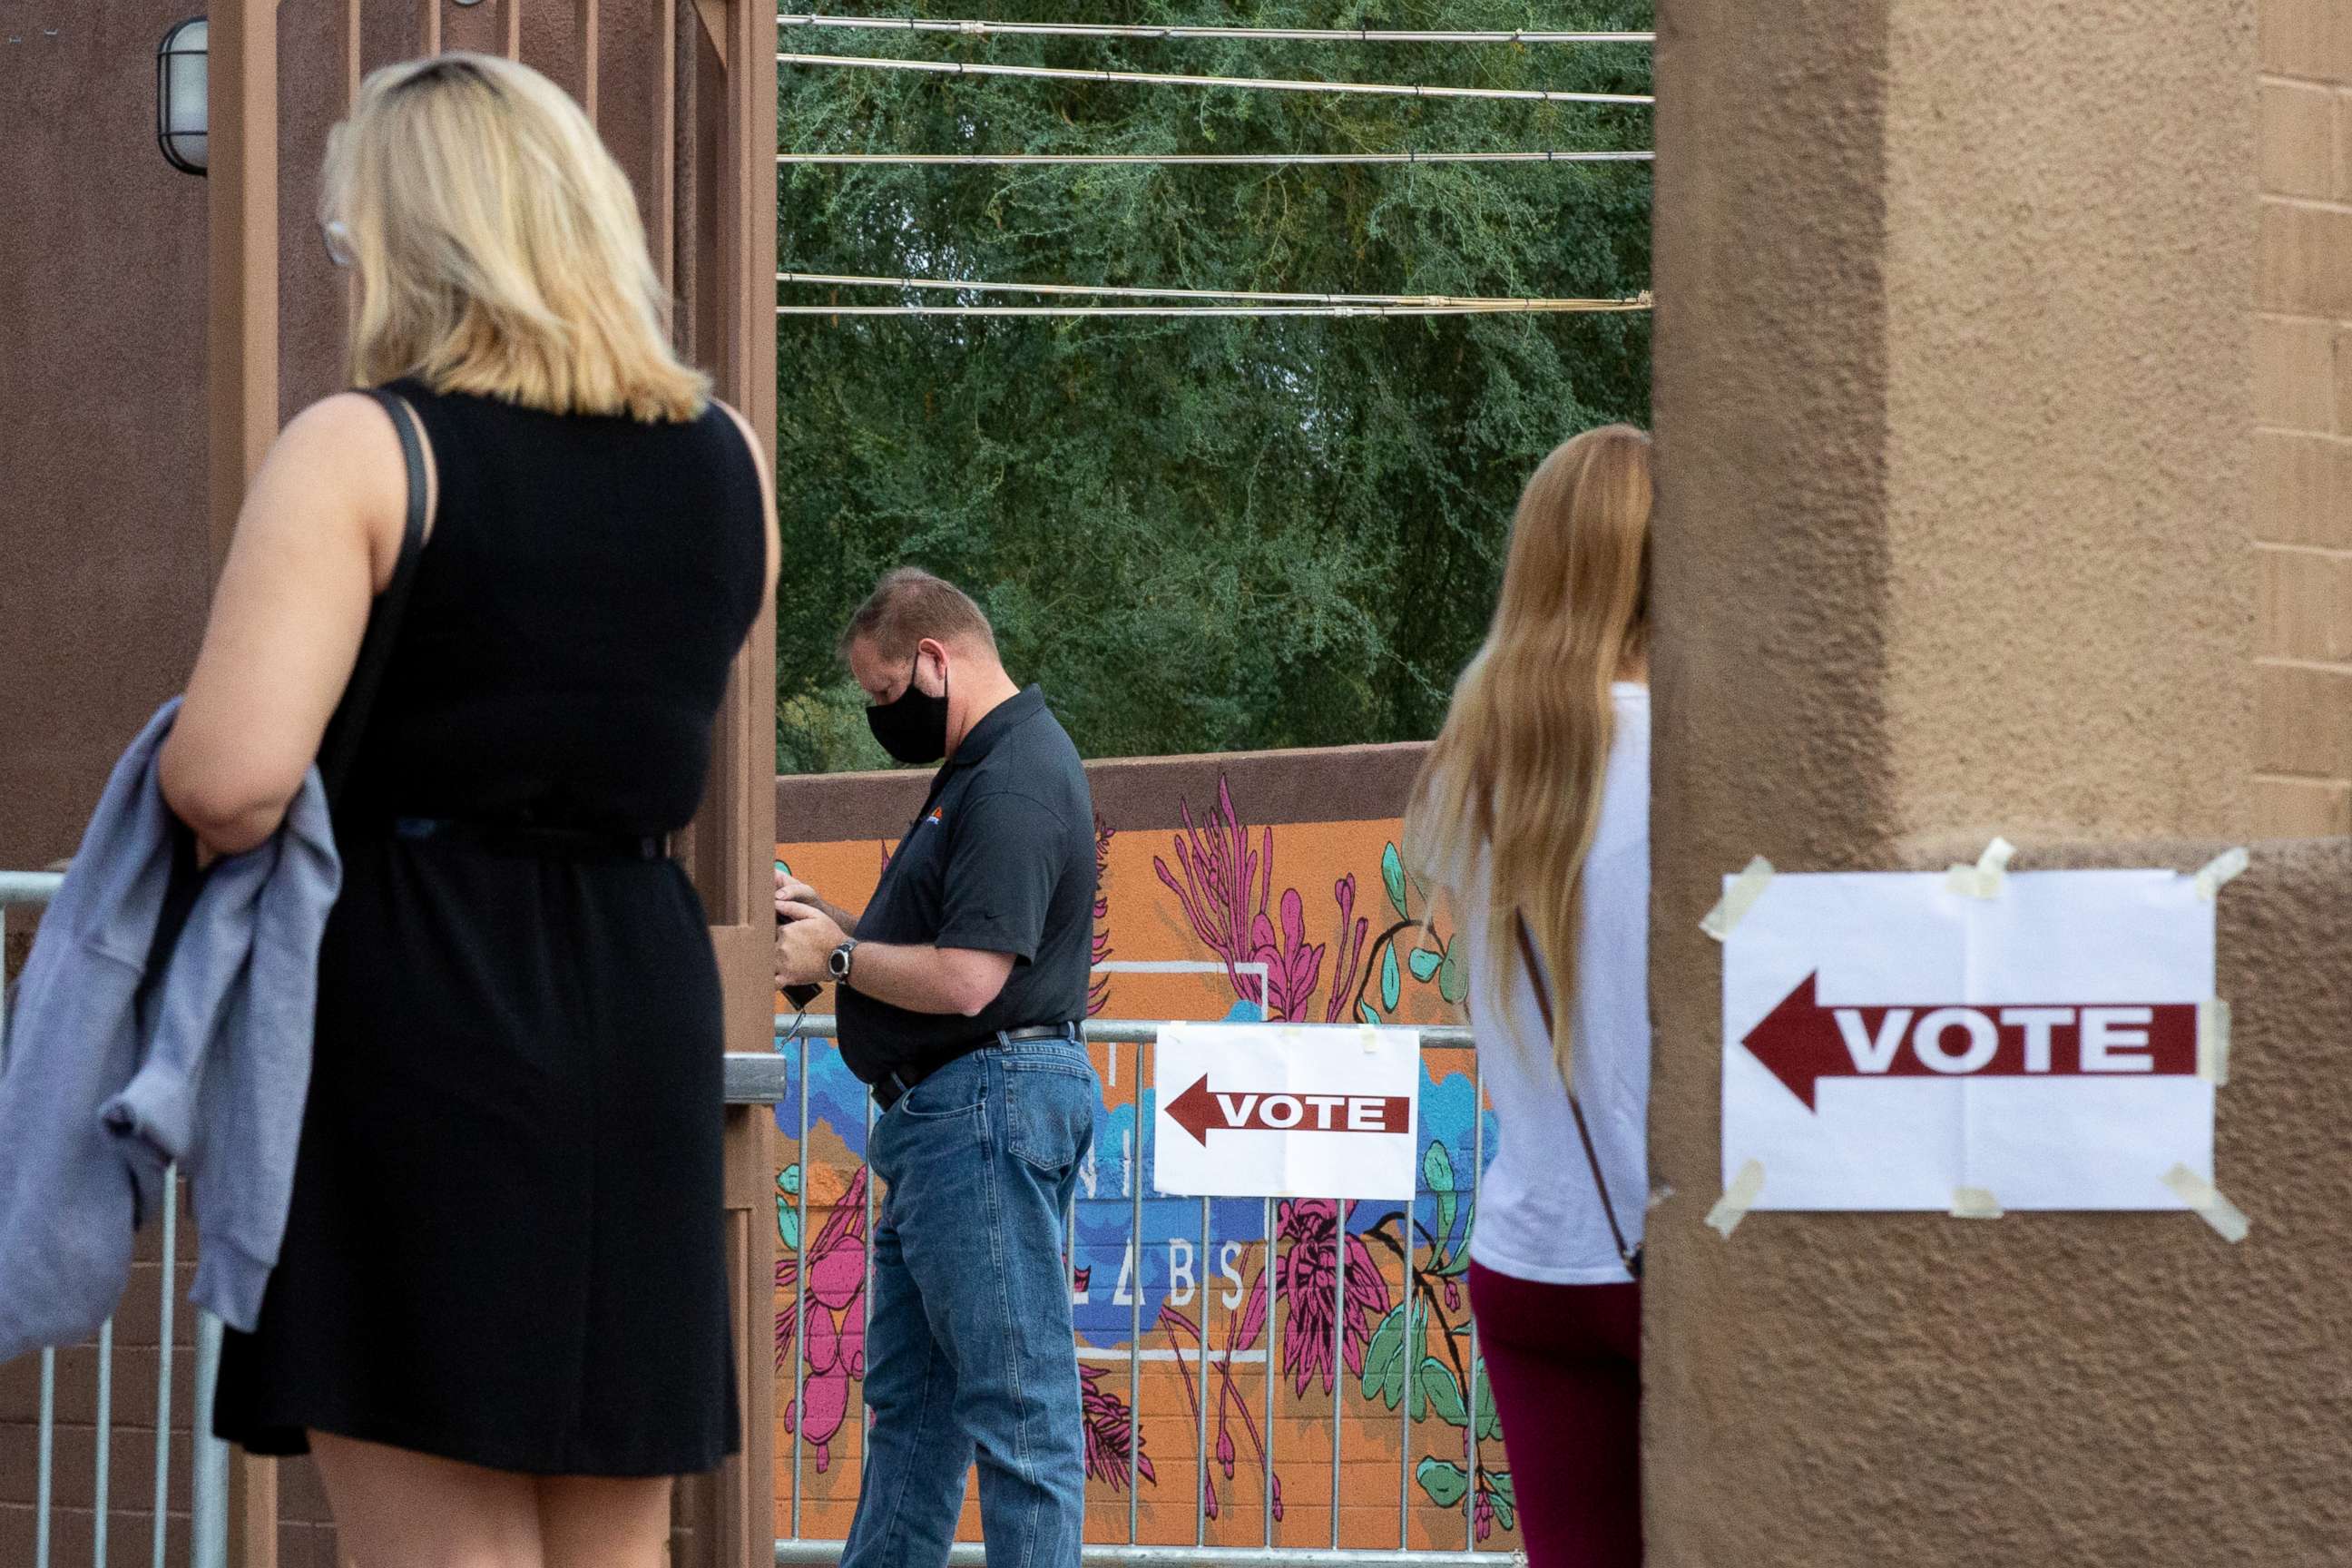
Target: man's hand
point(792, 890)
point(804, 942)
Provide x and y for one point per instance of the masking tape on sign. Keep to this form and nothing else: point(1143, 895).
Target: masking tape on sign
point(2213, 1040)
point(1738, 1199)
point(1983, 879)
point(2219, 871)
point(2203, 1196)
point(1975, 1202)
point(1737, 900)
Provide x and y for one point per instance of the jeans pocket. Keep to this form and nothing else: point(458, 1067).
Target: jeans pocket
point(1049, 1109)
point(959, 1088)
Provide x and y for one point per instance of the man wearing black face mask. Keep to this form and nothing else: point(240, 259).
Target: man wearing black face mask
point(959, 997)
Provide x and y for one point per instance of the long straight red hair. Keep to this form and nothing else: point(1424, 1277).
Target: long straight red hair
point(1514, 779)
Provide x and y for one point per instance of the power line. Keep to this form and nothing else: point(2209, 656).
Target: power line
point(1157, 79)
point(1493, 306)
point(1431, 302)
point(1302, 34)
point(1026, 160)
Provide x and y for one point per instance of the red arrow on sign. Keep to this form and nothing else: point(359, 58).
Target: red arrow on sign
point(1201, 1111)
point(1802, 1042)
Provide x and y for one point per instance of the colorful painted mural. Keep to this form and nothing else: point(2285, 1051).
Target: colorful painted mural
point(1305, 1369)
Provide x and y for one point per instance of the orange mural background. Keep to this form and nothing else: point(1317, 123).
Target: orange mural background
point(1343, 935)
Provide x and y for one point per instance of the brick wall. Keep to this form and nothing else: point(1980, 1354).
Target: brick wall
point(2303, 399)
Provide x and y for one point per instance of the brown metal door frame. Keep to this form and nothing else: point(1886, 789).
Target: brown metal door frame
point(733, 329)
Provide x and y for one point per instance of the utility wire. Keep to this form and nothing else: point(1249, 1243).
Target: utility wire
point(1432, 301)
point(1157, 79)
point(1488, 308)
point(1026, 160)
point(1301, 35)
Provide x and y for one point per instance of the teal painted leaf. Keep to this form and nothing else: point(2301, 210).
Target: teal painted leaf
point(1457, 1264)
point(1436, 1386)
point(1425, 964)
point(1392, 979)
point(1384, 1360)
point(1444, 1483)
point(1451, 983)
point(1392, 877)
point(788, 1219)
point(1506, 1502)
point(1365, 1011)
point(1437, 1172)
point(1490, 1426)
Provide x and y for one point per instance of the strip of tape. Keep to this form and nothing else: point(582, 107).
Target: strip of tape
point(1975, 1202)
point(1983, 879)
point(2218, 871)
point(1738, 899)
point(1738, 1199)
point(2213, 1040)
point(2203, 1196)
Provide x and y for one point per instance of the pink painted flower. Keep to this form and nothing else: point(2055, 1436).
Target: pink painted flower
point(1308, 1283)
point(1484, 1513)
point(1293, 963)
point(1107, 1435)
point(1098, 991)
point(1350, 955)
point(834, 1342)
point(1227, 885)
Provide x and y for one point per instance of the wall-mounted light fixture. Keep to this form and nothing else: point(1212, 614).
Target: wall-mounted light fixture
point(181, 122)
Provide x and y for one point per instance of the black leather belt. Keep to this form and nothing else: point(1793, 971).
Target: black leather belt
point(533, 838)
point(893, 1085)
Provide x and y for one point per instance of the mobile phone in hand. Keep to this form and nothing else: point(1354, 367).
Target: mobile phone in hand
point(800, 997)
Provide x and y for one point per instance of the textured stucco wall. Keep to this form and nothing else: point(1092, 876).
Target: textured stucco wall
point(2083, 1390)
point(1950, 395)
point(104, 563)
point(2069, 271)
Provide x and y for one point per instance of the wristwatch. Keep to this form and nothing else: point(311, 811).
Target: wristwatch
point(837, 963)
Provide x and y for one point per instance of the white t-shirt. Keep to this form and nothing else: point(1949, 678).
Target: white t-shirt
point(1539, 1218)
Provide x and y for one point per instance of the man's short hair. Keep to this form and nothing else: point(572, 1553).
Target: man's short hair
point(910, 604)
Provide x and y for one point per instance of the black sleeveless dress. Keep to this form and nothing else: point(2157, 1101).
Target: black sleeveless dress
point(505, 1241)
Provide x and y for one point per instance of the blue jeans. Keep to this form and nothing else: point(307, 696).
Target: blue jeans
point(970, 1351)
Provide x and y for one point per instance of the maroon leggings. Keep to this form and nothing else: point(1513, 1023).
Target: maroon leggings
point(1565, 1365)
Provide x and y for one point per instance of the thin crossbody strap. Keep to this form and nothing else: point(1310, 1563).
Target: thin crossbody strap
point(1631, 1256)
point(340, 749)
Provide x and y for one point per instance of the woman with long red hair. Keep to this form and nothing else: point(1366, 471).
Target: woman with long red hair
point(1532, 809)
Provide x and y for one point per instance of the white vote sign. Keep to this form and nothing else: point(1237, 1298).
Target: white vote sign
point(1890, 1041)
point(1286, 1111)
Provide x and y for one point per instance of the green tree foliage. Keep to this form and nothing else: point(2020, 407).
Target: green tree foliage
point(1207, 535)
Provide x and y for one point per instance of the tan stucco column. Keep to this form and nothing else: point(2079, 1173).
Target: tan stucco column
point(1953, 401)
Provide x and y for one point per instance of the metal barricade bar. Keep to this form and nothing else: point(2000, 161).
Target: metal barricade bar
point(780, 1077)
point(210, 1491)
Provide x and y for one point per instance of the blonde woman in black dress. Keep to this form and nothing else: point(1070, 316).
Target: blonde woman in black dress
point(499, 1316)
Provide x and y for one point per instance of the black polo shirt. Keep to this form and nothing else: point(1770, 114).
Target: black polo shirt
point(1001, 861)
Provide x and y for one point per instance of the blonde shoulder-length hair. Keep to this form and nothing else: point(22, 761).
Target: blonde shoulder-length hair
point(1513, 780)
point(499, 246)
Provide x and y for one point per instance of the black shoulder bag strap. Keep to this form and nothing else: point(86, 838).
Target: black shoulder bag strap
point(339, 752)
point(1631, 1256)
point(339, 747)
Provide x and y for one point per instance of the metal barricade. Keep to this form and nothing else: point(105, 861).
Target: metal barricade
point(782, 1080)
point(209, 1491)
